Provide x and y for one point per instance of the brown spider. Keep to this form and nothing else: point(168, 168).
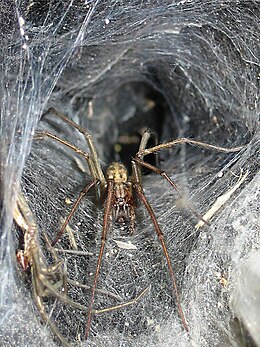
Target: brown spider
point(117, 188)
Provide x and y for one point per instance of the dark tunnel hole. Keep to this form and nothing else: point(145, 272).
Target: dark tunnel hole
point(138, 107)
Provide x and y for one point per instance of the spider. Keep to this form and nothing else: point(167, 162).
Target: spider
point(116, 189)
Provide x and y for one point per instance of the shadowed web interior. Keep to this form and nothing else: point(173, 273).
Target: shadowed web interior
point(182, 69)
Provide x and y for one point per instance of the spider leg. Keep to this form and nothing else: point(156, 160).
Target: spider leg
point(149, 209)
point(147, 134)
point(59, 264)
point(99, 173)
point(144, 140)
point(40, 306)
point(106, 220)
point(46, 283)
point(40, 135)
point(100, 291)
point(73, 251)
point(180, 141)
point(145, 151)
point(163, 174)
point(80, 307)
point(81, 195)
point(125, 304)
point(51, 249)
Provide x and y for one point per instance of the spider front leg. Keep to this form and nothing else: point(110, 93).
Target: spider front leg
point(139, 160)
point(92, 161)
point(97, 171)
point(143, 152)
point(146, 136)
point(93, 166)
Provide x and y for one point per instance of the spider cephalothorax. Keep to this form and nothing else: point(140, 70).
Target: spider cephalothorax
point(123, 204)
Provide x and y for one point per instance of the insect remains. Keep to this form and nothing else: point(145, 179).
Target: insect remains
point(46, 279)
point(119, 194)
